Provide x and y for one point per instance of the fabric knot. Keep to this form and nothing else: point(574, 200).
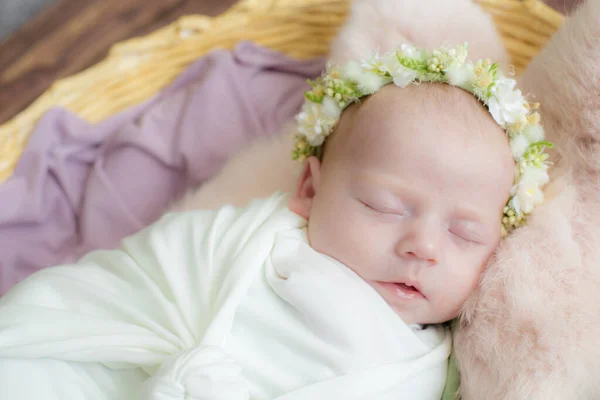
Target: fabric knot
point(203, 373)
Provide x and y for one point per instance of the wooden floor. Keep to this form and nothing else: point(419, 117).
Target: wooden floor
point(75, 34)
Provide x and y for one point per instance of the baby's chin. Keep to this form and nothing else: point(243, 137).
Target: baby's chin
point(420, 318)
point(422, 314)
point(410, 318)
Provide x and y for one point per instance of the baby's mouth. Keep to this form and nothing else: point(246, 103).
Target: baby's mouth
point(408, 291)
point(403, 290)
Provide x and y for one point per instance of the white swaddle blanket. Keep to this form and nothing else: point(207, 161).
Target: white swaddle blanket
point(215, 305)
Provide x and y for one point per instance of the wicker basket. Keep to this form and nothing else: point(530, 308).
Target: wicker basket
point(137, 69)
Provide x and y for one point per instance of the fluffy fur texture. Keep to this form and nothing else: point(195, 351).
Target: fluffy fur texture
point(372, 25)
point(531, 331)
point(384, 24)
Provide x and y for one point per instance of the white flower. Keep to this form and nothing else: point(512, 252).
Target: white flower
point(526, 200)
point(373, 64)
point(403, 76)
point(352, 70)
point(535, 133)
point(506, 104)
point(331, 109)
point(369, 82)
point(535, 175)
point(315, 121)
point(459, 53)
point(518, 146)
point(461, 75)
point(410, 51)
point(527, 193)
point(390, 63)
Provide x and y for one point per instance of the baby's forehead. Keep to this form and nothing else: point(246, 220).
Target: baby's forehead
point(420, 112)
point(422, 101)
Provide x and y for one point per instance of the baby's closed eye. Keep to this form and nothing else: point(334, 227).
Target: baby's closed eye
point(384, 207)
point(469, 231)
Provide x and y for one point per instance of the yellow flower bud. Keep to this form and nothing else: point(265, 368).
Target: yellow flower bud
point(485, 81)
point(516, 127)
point(301, 144)
point(533, 119)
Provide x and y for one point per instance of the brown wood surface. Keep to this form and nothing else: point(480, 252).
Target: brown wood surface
point(73, 35)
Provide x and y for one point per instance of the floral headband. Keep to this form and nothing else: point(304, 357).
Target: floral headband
point(340, 87)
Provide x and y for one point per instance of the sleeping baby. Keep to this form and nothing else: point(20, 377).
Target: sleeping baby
point(416, 164)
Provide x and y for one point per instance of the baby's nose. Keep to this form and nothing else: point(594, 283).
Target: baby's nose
point(422, 255)
point(419, 245)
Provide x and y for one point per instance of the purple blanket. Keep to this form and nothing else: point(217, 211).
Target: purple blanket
point(79, 187)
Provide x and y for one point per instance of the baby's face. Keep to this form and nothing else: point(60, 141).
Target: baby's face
point(410, 196)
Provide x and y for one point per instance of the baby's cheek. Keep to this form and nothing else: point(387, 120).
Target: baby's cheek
point(448, 305)
point(456, 286)
point(335, 238)
point(464, 287)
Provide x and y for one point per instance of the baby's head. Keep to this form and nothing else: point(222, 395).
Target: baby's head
point(409, 192)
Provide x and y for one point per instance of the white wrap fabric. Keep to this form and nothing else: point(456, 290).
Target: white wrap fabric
point(212, 305)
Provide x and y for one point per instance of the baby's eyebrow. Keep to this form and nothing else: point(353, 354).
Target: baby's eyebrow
point(389, 183)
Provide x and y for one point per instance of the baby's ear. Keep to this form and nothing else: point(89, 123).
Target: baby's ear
point(301, 201)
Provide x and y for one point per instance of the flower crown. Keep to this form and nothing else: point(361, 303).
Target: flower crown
point(341, 86)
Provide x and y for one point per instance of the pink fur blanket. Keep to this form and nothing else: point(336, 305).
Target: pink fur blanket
point(530, 331)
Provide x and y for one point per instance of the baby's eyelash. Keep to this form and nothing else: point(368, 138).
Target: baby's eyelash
point(374, 208)
point(465, 238)
point(384, 213)
point(460, 236)
point(368, 206)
